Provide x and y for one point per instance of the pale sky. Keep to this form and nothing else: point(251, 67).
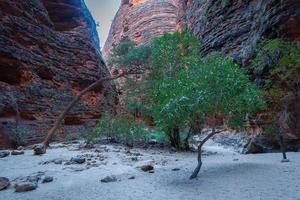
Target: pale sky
point(103, 12)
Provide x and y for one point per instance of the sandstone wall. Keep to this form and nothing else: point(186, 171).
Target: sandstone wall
point(142, 20)
point(49, 51)
point(235, 27)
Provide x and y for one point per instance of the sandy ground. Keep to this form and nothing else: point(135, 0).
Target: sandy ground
point(225, 175)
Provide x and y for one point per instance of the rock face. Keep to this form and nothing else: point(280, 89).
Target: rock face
point(49, 51)
point(142, 20)
point(235, 27)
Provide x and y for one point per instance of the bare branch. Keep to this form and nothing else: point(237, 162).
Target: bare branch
point(41, 148)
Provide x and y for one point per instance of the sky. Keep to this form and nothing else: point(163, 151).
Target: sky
point(103, 12)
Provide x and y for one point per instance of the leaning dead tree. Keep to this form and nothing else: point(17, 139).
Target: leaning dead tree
point(40, 149)
point(200, 145)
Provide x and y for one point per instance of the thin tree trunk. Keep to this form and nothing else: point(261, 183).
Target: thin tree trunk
point(199, 159)
point(41, 149)
point(175, 138)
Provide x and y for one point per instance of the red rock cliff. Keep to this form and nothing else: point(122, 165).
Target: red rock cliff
point(234, 27)
point(49, 51)
point(142, 20)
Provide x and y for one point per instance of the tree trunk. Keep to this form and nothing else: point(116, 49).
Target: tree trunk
point(199, 165)
point(41, 148)
point(175, 138)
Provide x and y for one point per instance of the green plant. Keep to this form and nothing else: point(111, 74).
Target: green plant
point(120, 128)
point(19, 135)
point(277, 64)
point(186, 88)
point(170, 54)
point(124, 56)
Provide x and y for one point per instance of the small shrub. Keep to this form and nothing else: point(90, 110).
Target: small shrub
point(19, 135)
point(119, 128)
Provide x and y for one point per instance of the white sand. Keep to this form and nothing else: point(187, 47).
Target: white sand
point(222, 176)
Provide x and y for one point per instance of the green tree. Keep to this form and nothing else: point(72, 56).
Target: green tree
point(222, 88)
point(126, 55)
point(170, 54)
point(188, 89)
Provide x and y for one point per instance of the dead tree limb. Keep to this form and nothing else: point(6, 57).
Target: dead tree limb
point(199, 159)
point(41, 148)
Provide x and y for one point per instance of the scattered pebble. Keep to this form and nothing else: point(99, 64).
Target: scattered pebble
point(175, 169)
point(77, 160)
point(47, 179)
point(131, 177)
point(57, 161)
point(109, 179)
point(147, 168)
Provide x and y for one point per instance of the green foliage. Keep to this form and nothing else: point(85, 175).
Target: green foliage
point(170, 54)
point(186, 88)
point(119, 128)
point(280, 62)
point(19, 135)
point(277, 63)
point(125, 55)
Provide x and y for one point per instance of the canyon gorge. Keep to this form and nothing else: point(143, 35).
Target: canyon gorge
point(50, 51)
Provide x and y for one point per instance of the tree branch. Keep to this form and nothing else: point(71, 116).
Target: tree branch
point(41, 148)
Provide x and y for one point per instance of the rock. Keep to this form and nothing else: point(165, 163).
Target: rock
point(255, 146)
point(17, 152)
point(4, 154)
point(175, 169)
point(58, 161)
point(4, 183)
point(77, 160)
point(131, 177)
point(285, 160)
point(25, 186)
point(137, 154)
point(39, 149)
point(151, 171)
point(147, 168)
point(109, 179)
point(20, 148)
point(134, 158)
point(57, 41)
point(47, 179)
point(125, 24)
point(152, 142)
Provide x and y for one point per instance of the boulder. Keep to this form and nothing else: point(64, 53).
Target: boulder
point(25, 186)
point(17, 152)
point(4, 183)
point(4, 154)
point(39, 149)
